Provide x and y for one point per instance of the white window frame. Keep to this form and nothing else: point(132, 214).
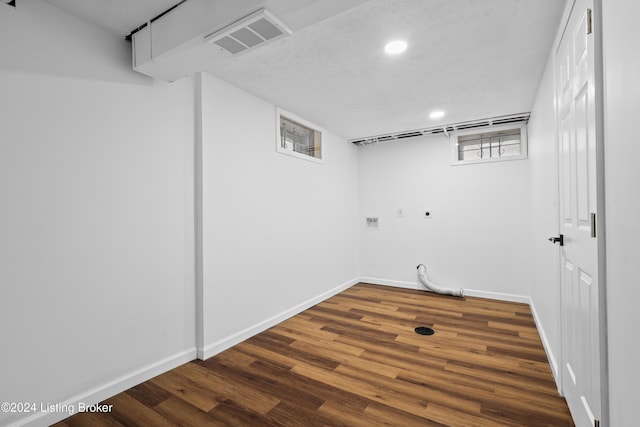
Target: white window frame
point(522, 126)
point(295, 118)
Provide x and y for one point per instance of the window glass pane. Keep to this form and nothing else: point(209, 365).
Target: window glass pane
point(299, 138)
point(489, 145)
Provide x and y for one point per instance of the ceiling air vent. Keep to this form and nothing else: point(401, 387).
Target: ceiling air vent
point(247, 33)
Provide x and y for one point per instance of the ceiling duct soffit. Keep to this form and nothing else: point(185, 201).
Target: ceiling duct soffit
point(187, 37)
point(444, 129)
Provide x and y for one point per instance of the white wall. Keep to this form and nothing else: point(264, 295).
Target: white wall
point(544, 286)
point(478, 234)
point(278, 231)
point(96, 225)
point(96, 218)
point(622, 175)
point(37, 37)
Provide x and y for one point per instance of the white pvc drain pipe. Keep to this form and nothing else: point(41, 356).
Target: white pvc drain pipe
point(422, 275)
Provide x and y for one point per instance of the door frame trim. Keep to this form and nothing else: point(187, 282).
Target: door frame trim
point(600, 203)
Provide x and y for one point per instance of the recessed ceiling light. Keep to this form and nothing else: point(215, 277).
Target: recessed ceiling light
point(395, 47)
point(437, 114)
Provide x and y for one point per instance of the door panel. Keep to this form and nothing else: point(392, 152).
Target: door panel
point(565, 171)
point(582, 161)
point(575, 98)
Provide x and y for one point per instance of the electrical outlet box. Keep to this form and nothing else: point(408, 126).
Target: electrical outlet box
point(373, 222)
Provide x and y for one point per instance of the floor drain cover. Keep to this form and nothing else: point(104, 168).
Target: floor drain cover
point(423, 330)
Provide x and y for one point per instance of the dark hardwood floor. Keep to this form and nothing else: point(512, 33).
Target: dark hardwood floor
point(355, 360)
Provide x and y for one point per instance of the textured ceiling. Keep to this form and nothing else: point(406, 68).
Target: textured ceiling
point(474, 59)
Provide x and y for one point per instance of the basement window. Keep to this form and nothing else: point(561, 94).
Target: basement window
point(497, 143)
point(297, 137)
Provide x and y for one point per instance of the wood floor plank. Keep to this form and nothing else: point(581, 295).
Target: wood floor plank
point(343, 358)
point(511, 398)
point(251, 398)
point(407, 395)
point(229, 413)
point(538, 383)
point(348, 416)
point(387, 416)
point(188, 389)
point(299, 356)
point(277, 387)
point(130, 412)
point(237, 358)
point(149, 394)
point(355, 360)
point(289, 414)
point(302, 322)
point(84, 419)
point(261, 353)
point(318, 389)
point(313, 340)
point(447, 417)
point(184, 414)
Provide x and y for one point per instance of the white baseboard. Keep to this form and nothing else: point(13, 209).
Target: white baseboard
point(547, 346)
point(467, 292)
point(104, 391)
point(496, 295)
point(231, 340)
point(387, 282)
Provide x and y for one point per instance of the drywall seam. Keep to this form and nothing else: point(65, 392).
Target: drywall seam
point(231, 340)
point(198, 214)
point(109, 389)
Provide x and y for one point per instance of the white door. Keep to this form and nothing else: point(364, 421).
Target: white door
point(578, 202)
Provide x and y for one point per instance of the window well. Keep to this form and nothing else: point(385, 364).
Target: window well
point(298, 138)
point(507, 142)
